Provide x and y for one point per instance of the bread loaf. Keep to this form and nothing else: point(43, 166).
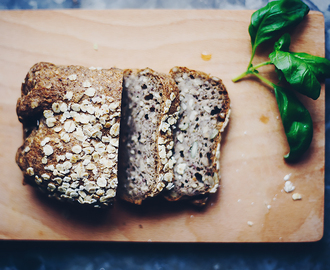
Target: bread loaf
point(149, 105)
point(71, 117)
point(204, 113)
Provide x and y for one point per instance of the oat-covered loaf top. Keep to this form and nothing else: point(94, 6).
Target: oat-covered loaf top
point(71, 119)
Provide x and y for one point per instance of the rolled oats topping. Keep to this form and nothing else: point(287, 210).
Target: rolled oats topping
point(48, 150)
point(77, 104)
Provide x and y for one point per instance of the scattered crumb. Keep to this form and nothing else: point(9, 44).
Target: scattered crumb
point(288, 187)
point(280, 238)
point(244, 132)
point(191, 216)
point(95, 46)
point(252, 203)
point(287, 177)
point(238, 200)
point(269, 206)
point(149, 240)
point(296, 196)
point(140, 226)
point(250, 223)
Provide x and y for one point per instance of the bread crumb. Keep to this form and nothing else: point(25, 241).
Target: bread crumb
point(296, 196)
point(250, 223)
point(287, 177)
point(288, 187)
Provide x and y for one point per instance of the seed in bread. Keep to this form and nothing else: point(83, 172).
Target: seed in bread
point(71, 117)
point(205, 109)
point(150, 111)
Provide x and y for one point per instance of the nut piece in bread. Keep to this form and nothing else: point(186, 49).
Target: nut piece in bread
point(150, 112)
point(71, 119)
point(204, 113)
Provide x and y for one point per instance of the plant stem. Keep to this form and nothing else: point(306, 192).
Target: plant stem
point(263, 79)
point(252, 55)
point(241, 76)
point(251, 70)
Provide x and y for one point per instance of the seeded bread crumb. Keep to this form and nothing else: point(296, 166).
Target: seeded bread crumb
point(150, 104)
point(204, 113)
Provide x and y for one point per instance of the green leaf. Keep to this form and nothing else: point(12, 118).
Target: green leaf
point(297, 123)
point(276, 16)
point(318, 65)
point(297, 72)
point(283, 43)
point(279, 74)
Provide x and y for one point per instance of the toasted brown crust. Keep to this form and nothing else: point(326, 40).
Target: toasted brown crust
point(150, 99)
point(71, 117)
point(205, 109)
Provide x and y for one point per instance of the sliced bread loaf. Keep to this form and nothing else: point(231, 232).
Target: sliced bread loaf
point(149, 114)
point(204, 113)
point(71, 117)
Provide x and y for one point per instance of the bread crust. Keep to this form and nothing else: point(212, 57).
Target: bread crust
point(71, 116)
point(197, 168)
point(139, 181)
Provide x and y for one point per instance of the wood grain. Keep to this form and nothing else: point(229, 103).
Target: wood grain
point(252, 166)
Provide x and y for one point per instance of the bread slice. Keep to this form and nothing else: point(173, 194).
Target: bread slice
point(71, 117)
point(150, 110)
point(205, 109)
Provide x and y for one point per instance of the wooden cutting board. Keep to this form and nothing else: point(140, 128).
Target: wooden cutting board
point(252, 165)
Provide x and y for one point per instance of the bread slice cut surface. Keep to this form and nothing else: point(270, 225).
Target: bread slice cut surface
point(150, 104)
point(204, 113)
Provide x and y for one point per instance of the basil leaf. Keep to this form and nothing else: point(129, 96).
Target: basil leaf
point(283, 43)
point(297, 72)
point(297, 123)
point(318, 65)
point(280, 74)
point(275, 17)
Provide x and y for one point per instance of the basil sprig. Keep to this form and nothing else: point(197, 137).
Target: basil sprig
point(275, 17)
point(301, 71)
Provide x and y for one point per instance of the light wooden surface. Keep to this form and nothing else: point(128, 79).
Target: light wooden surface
point(252, 166)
